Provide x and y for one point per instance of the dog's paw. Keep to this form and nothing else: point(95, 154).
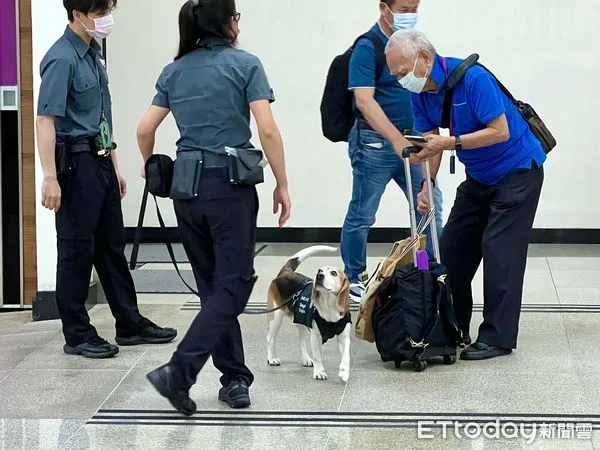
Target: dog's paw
point(274, 362)
point(307, 362)
point(319, 375)
point(344, 375)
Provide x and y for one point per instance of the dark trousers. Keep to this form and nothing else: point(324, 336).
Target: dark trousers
point(492, 223)
point(90, 232)
point(218, 231)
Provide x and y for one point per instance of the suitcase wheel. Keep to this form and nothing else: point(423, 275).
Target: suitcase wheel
point(449, 360)
point(420, 366)
point(398, 364)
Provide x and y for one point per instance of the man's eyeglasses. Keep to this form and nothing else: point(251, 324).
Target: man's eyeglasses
point(237, 16)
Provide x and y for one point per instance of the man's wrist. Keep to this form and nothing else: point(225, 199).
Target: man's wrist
point(424, 183)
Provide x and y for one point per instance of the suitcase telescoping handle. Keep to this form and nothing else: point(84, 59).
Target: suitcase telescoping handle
point(431, 214)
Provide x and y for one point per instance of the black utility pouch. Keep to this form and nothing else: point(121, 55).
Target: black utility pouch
point(186, 178)
point(246, 166)
point(64, 161)
point(159, 175)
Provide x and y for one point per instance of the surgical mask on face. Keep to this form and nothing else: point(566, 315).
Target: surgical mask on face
point(411, 82)
point(102, 27)
point(403, 20)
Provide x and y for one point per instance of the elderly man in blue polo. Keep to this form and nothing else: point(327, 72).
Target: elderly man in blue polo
point(495, 206)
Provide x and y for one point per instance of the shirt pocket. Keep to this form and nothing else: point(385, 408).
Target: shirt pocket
point(463, 118)
point(86, 93)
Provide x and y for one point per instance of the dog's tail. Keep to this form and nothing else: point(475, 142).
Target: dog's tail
point(292, 264)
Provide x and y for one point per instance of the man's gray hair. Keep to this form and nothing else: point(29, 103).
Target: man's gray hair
point(411, 42)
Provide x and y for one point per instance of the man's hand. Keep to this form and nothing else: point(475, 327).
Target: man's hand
point(51, 194)
point(423, 201)
point(143, 172)
point(435, 145)
point(281, 198)
point(122, 185)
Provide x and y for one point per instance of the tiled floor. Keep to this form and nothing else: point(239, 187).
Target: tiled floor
point(49, 400)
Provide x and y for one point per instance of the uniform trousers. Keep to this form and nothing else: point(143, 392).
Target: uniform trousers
point(218, 231)
point(90, 232)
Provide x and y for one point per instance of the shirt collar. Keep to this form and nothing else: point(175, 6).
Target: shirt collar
point(437, 73)
point(80, 46)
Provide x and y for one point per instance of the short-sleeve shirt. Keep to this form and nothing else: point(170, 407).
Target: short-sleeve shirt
point(476, 102)
point(393, 98)
point(209, 91)
point(74, 88)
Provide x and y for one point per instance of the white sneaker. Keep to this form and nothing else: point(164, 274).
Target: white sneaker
point(356, 291)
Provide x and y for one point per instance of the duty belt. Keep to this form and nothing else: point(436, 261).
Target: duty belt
point(209, 160)
point(86, 144)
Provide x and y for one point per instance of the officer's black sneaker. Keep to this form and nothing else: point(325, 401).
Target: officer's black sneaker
point(95, 348)
point(162, 380)
point(150, 334)
point(235, 394)
point(480, 351)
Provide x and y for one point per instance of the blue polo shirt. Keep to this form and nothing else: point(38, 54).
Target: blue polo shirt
point(209, 91)
point(393, 98)
point(74, 88)
point(477, 101)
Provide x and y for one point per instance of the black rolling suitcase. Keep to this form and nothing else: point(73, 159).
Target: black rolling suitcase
point(413, 316)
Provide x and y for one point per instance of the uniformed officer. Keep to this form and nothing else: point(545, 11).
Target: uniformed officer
point(83, 186)
point(495, 206)
point(210, 88)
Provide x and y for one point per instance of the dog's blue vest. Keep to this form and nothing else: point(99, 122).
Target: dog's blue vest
point(304, 314)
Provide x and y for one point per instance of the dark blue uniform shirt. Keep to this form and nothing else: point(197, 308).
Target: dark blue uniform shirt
point(393, 98)
point(208, 91)
point(477, 101)
point(73, 78)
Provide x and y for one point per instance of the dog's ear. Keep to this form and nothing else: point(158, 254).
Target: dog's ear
point(314, 296)
point(344, 295)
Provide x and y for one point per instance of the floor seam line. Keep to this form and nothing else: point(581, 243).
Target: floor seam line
point(106, 399)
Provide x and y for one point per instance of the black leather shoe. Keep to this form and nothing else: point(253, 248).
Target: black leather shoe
point(95, 348)
point(150, 334)
point(162, 380)
point(480, 351)
point(236, 394)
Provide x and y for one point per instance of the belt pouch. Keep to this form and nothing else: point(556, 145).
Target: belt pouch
point(64, 161)
point(159, 175)
point(186, 178)
point(246, 166)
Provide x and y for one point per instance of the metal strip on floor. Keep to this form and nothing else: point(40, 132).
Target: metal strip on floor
point(334, 419)
point(257, 306)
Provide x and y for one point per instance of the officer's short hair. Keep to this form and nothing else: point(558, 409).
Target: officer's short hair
point(88, 6)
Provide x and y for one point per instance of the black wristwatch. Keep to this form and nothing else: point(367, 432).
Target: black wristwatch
point(457, 144)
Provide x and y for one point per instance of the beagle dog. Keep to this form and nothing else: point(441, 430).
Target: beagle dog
point(318, 308)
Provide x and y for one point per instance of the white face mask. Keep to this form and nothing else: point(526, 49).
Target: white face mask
point(412, 83)
point(402, 20)
point(102, 27)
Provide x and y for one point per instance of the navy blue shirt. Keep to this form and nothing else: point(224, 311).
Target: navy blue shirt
point(209, 91)
point(393, 98)
point(477, 101)
point(73, 78)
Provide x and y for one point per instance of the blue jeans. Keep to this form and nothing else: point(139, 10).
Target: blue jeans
point(374, 165)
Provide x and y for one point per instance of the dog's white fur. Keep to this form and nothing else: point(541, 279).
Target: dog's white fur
point(330, 298)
